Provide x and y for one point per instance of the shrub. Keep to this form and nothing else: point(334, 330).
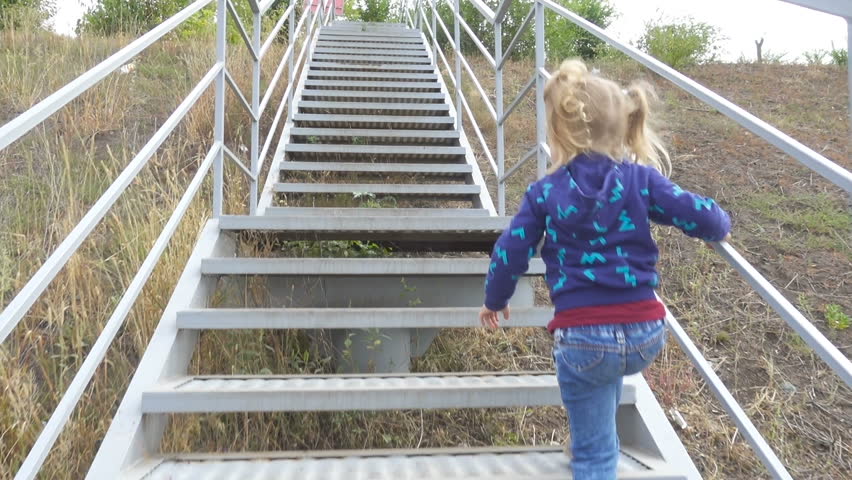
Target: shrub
point(27, 14)
point(680, 43)
point(815, 57)
point(370, 10)
point(565, 39)
point(110, 17)
point(839, 56)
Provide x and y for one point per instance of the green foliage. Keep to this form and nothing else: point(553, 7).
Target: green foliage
point(369, 10)
point(839, 56)
point(564, 39)
point(110, 17)
point(815, 57)
point(680, 43)
point(835, 318)
point(26, 14)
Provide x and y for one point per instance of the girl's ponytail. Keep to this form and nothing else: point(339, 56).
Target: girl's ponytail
point(640, 138)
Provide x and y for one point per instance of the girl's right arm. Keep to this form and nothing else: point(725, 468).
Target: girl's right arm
point(696, 216)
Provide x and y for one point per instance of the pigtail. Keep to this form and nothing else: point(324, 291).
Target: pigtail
point(641, 139)
point(567, 119)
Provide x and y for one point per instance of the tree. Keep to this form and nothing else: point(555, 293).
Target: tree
point(135, 17)
point(681, 43)
point(25, 13)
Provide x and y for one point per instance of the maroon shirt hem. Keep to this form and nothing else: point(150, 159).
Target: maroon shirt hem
point(633, 312)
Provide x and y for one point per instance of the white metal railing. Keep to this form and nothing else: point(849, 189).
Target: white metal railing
point(426, 17)
point(219, 74)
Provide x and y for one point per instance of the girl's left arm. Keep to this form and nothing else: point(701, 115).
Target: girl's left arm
point(513, 251)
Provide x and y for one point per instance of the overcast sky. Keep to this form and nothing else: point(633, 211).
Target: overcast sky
point(785, 28)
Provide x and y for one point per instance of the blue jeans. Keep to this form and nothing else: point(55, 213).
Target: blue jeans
point(591, 363)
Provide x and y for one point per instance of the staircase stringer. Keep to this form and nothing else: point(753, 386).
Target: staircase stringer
point(484, 199)
point(133, 437)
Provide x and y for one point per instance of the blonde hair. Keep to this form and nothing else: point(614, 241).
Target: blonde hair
point(588, 113)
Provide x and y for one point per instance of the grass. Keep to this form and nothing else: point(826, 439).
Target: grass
point(51, 177)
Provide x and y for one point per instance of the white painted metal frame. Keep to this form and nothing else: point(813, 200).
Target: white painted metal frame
point(218, 75)
point(831, 171)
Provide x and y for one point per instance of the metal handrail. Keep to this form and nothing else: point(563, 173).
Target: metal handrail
point(831, 171)
point(218, 74)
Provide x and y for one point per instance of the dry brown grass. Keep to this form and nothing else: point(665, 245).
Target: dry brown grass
point(52, 176)
point(794, 226)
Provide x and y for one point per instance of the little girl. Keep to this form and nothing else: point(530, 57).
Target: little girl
point(594, 209)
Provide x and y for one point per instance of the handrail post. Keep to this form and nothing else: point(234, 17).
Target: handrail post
point(435, 34)
point(541, 133)
point(255, 121)
point(849, 73)
point(291, 62)
point(458, 72)
point(498, 87)
point(219, 126)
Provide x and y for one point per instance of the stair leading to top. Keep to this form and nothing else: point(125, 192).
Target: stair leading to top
point(371, 154)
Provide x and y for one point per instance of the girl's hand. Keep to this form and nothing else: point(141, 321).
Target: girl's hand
point(490, 318)
point(726, 239)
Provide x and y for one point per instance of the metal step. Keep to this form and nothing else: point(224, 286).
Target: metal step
point(406, 34)
point(368, 85)
point(384, 52)
point(458, 225)
point(317, 74)
point(387, 267)
point(316, 393)
point(381, 66)
point(373, 121)
point(369, 45)
point(374, 212)
point(348, 318)
point(482, 463)
point(396, 151)
point(390, 97)
point(327, 57)
point(377, 134)
point(355, 108)
point(366, 39)
point(441, 169)
point(405, 190)
point(462, 230)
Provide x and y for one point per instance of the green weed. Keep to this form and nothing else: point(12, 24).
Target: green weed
point(835, 317)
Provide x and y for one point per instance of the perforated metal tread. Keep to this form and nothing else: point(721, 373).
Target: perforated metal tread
point(355, 107)
point(348, 133)
point(379, 66)
point(315, 393)
point(419, 230)
point(395, 150)
point(359, 96)
point(439, 169)
point(347, 318)
point(374, 212)
point(419, 190)
point(367, 85)
point(384, 52)
point(373, 121)
point(373, 75)
point(336, 57)
point(385, 267)
point(491, 463)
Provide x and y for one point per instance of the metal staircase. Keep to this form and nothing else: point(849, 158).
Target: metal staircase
point(376, 109)
point(372, 150)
